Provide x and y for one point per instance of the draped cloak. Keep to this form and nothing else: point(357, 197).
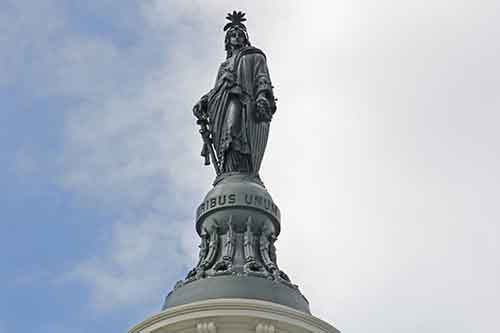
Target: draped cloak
point(244, 75)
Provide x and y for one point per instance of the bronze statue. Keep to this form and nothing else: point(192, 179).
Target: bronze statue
point(234, 116)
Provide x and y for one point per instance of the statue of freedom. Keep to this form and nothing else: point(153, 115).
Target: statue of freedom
point(235, 115)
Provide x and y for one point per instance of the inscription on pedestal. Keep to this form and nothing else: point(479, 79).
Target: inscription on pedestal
point(238, 199)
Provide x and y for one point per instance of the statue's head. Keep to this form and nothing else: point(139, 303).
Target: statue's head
point(236, 32)
point(236, 38)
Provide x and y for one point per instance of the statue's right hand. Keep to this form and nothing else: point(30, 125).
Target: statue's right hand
point(197, 110)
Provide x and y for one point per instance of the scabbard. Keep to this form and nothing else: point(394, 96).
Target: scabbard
point(205, 153)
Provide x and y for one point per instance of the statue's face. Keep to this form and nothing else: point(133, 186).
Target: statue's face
point(237, 38)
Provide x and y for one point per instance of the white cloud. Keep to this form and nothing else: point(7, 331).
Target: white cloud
point(125, 151)
point(388, 122)
point(140, 259)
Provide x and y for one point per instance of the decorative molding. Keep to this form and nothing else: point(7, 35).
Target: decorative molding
point(228, 249)
point(266, 239)
point(206, 327)
point(234, 247)
point(212, 249)
point(264, 328)
point(235, 307)
point(203, 247)
point(229, 245)
point(248, 245)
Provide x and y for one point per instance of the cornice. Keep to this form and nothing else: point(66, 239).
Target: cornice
point(234, 307)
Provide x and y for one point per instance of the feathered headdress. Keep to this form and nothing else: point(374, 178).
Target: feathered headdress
point(236, 21)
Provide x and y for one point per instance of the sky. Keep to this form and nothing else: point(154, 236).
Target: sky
point(383, 157)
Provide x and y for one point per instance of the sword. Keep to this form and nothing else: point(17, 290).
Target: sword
point(207, 143)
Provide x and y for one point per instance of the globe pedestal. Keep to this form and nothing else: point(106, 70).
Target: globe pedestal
point(238, 223)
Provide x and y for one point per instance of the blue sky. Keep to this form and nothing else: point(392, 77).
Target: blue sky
point(51, 55)
point(387, 124)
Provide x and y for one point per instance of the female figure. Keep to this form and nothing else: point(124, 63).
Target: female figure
point(239, 108)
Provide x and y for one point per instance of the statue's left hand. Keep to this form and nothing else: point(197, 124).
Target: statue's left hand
point(263, 110)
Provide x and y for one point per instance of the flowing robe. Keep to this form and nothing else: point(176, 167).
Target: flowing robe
point(240, 137)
